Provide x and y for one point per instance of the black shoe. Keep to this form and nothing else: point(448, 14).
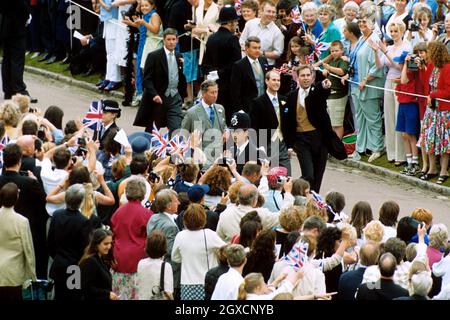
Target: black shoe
point(44, 57)
point(51, 60)
point(66, 60)
point(33, 100)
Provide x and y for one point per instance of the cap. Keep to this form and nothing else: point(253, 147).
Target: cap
point(274, 173)
point(140, 141)
point(227, 14)
point(240, 120)
point(111, 106)
point(197, 192)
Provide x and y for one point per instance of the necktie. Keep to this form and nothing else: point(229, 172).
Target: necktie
point(277, 133)
point(256, 67)
point(211, 115)
point(303, 95)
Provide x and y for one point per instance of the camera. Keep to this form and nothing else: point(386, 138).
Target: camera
point(351, 71)
point(414, 26)
point(441, 28)
point(41, 133)
point(281, 179)
point(152, 177)
point(412, 65)
point(81, 142)
point(23, 173)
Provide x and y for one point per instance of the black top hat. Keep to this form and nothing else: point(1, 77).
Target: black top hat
point(227, 14)
point(240, 120)
point(111, 106)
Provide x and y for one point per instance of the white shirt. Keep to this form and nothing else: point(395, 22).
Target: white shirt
point(302, 94)
point(227, 287)
point(389, 232)
point(242, 147)
point(284, 287)
point(189, 249)
point(148, 276)
point(51, 179)
point(229, 220)
point(272, 39)
point(442, 268)
point(206, 107)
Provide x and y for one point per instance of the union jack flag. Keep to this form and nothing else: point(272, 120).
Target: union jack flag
point(177, 143)
point(4, 141)
point(320, 47)
point(237, 6)
point(309, 59)
point(93, 117)
point(321, 204)
point(295, 15)
point(282, 69)
point(298, 255)
point(159, 141)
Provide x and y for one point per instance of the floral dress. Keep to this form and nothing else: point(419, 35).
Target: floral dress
point(435, 129)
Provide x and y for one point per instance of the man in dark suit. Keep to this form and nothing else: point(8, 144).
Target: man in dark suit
point(243, 148)
point(68, 236)
point(13, 34)
point(308, 126)
point(222, 50)
point(111, 112)
point(350, 280)
point(163, 85)
point(247, 76)
point(31, 203)
point(267, 113)
point(385, 288)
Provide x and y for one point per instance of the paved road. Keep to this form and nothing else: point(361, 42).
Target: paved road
point(356, 185)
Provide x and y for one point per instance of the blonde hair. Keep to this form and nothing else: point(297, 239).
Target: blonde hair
point(22, 101)
point(251, 282)
point(312, 209)
point(400, 25)
point(292, 218)
point(438, 236)
point(10, 113)
point(374, 231)
point(87, 206)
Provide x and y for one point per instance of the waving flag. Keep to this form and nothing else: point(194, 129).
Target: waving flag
point(237, 6)
point(282, 69)
point(298, 255)
point(93, 117)
point(320, 47)
point(309, 59)
point(295, 15)
point(321, 204)
point(177, 143)
point(159, 142)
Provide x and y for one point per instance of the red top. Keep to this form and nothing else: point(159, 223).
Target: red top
point(407, 87)
point(129, 225)
point(443, 87)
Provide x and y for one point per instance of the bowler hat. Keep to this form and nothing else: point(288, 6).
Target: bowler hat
point(227, 14)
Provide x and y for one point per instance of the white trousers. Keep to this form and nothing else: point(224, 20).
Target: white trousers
point(393, 140)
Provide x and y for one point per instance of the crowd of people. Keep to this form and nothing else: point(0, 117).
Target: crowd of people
point(219, 216)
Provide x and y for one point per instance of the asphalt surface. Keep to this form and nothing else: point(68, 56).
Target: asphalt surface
point(354, 184)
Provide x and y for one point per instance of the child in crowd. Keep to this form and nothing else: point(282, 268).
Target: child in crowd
point(408, 114)
point(297, 54)
point(339, 92)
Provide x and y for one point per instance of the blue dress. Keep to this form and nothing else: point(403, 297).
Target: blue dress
point(142, 38)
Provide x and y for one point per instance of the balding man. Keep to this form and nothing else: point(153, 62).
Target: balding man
point(27, 144)
point(385, 289)
point(350, 280)
point(229, 219)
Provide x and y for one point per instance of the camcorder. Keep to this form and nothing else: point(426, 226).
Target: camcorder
point(282, 179)
point(82, 150)
point(226, 161)
point(153, 176)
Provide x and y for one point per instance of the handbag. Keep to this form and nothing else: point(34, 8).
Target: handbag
point(158, 291)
